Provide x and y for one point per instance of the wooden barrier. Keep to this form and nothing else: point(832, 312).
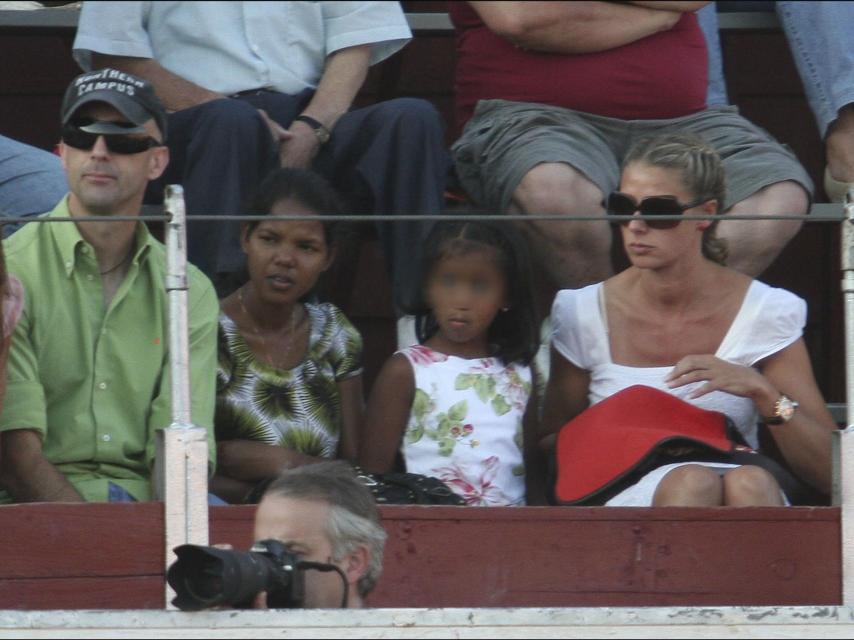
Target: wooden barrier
point(110, 556)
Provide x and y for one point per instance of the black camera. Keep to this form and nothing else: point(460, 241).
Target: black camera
point(205, 577)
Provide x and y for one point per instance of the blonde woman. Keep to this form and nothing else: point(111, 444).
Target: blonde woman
point(679, 320)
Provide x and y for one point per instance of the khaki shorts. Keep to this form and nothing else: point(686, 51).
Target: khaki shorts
point(504, 140)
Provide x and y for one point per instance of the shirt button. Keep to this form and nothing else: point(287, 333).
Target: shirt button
point(68, 264)
point(90, 277)
point(103, 385)
point(106, 437)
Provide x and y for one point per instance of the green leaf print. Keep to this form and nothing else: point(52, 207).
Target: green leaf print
point(464, 381)
point(519, 470)
point(443, 427)
point(446, 446)
point(274, 400)
point(415, 433)
point(304, 440)
point(233, 422)
point(420, 405)
point(484, 386)
point(318, 398)
point(500, 406)
point(458, 411)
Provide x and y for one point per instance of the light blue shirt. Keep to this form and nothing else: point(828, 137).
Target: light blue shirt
point(230, 47)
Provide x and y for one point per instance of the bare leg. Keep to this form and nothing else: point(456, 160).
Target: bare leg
point(754, 244)
point(573, 254)
point(750, 486)
point(690, 485)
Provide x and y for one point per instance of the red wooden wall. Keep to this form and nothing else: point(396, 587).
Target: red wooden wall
point(110, 556)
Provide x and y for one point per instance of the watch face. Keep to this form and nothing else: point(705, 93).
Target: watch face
point(787, 408)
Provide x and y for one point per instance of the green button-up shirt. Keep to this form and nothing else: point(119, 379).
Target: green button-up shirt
point(94, 382)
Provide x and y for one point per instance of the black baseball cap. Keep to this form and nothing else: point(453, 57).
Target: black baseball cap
point(134, 97)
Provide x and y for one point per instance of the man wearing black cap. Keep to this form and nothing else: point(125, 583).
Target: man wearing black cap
point(88, 383)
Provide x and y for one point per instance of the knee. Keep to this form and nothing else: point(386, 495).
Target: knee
point(689, 485)
point(781, 198)
point(412, 114)
point(751, 486)
point(786, 197)
point(556, 187)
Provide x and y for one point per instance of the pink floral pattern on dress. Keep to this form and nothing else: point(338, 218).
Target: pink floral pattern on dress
point(480, 491)
point(425, 356)
point(465, 425)
point(514, 389)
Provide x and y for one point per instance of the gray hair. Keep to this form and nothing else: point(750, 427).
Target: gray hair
point(701, 170)
point(354, 519)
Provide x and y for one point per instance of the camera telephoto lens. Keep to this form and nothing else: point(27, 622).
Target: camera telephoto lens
point(206, 577)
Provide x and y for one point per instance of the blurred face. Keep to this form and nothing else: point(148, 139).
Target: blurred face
point(466, 292)
point(301, 526)
point(648, 247)
point(285, 259)
point(103, 182)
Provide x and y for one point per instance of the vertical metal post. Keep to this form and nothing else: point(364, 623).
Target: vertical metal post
point(181, 470)
point(844, 441)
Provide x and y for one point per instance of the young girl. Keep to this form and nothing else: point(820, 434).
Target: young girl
point(457, 405)
point(289, 383)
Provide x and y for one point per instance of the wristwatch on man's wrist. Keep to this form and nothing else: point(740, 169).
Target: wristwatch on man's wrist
point(784, 409)
point(320, 131)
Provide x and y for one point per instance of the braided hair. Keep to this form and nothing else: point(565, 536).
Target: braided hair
point(702, 172)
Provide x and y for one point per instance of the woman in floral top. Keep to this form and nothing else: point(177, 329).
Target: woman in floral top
point(459, 406)
point(289, 381)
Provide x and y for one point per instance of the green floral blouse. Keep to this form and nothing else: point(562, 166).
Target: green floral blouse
point(297, 408)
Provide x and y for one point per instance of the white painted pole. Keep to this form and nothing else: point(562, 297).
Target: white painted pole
point(844, 451)
point(182, 451)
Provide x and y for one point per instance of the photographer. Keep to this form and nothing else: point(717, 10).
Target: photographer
point(323, 513)
point(319, 544)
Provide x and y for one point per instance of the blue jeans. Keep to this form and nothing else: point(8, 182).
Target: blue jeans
point(32, 181)
point(117, 493)
point(820, 41)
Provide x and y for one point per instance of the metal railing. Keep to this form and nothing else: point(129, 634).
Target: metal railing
point(182, 447)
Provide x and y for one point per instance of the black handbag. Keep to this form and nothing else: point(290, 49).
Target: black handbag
point(408, 488)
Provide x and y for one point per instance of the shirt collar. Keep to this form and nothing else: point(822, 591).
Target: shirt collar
point(70, 243)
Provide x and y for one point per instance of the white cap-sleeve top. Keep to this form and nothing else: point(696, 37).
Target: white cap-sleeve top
point(770, 319)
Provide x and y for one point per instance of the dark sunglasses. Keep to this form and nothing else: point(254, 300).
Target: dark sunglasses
point(622, 204)
point(121, 143)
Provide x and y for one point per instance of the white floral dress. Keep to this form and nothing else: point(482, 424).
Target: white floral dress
point(465, 425)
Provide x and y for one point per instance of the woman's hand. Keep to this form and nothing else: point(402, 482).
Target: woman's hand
point(720, 375)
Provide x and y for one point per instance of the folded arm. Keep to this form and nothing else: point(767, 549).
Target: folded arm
point(252, 461)
point(574, 27)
